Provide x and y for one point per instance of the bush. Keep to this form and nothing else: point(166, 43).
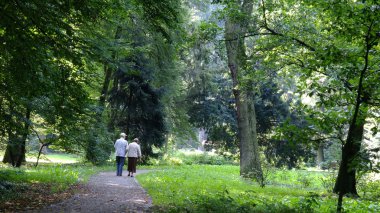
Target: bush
point(99, 146)
point(328, 181)
point(369, 189)
point(304, 180)
point(309, 203)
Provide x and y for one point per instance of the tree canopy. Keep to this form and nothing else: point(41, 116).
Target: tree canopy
point(269, 81)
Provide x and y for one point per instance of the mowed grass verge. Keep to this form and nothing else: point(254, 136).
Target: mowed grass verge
point(211, 188)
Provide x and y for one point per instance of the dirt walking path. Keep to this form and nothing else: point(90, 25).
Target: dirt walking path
point(106, 193)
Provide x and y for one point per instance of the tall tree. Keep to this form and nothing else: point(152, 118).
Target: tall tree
point(236, 27)
point(144, 54)
point(337, 56)
point(41, 67)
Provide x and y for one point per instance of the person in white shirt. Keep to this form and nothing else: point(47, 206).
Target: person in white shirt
point(134, 153)
point(121, 147)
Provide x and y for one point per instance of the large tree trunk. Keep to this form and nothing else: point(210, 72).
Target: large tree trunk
point(246, 118)
point(15, 150)
point(346, 181)
point(254, 163)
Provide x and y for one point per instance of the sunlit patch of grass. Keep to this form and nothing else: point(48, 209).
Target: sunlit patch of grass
point(54, 158)
point(50, 158)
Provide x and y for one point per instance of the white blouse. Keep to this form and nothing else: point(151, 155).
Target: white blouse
point(134, 150)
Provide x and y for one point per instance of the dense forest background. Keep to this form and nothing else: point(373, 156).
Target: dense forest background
point(288, 83)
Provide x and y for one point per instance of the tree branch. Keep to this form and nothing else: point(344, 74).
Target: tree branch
point(300, 42)
point(273, 32)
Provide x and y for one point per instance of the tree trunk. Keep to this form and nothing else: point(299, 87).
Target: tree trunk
point(130, 96)
point(320, 155)
point(108, 71)
point(106, 83)
point(15, 150)
point(346, 181)
point(246, 118)
point(255, 163)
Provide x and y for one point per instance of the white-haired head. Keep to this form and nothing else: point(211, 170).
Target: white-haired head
point(123, 135)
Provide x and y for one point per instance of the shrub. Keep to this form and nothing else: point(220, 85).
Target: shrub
point(304, 180)
point(99, 146)
point(369, 188)
point(308, 203)
point(328, 181)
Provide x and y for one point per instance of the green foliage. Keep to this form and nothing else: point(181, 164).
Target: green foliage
point(99, 146)
point(309, 203)
point(369, 188)
point(163, 16)
point(143, 117)
point(42, 71)
point(141, 68)
point(328, 181)
point(208, 97)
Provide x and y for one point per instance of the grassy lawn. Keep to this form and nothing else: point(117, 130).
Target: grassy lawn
point(55, 158)
point(50, 158)
point(210, 188)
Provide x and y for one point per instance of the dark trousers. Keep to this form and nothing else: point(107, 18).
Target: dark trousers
point(132, 162)
point(119, 165)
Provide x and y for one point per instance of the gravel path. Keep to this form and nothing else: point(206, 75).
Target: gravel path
point(106, 193)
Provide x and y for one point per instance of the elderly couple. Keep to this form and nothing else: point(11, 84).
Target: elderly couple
point(121, 149)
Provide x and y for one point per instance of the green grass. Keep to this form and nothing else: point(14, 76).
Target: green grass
point(62, 175)
point(48, 178)
point(212, 188)
point(62, 158)
point(50, 158)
